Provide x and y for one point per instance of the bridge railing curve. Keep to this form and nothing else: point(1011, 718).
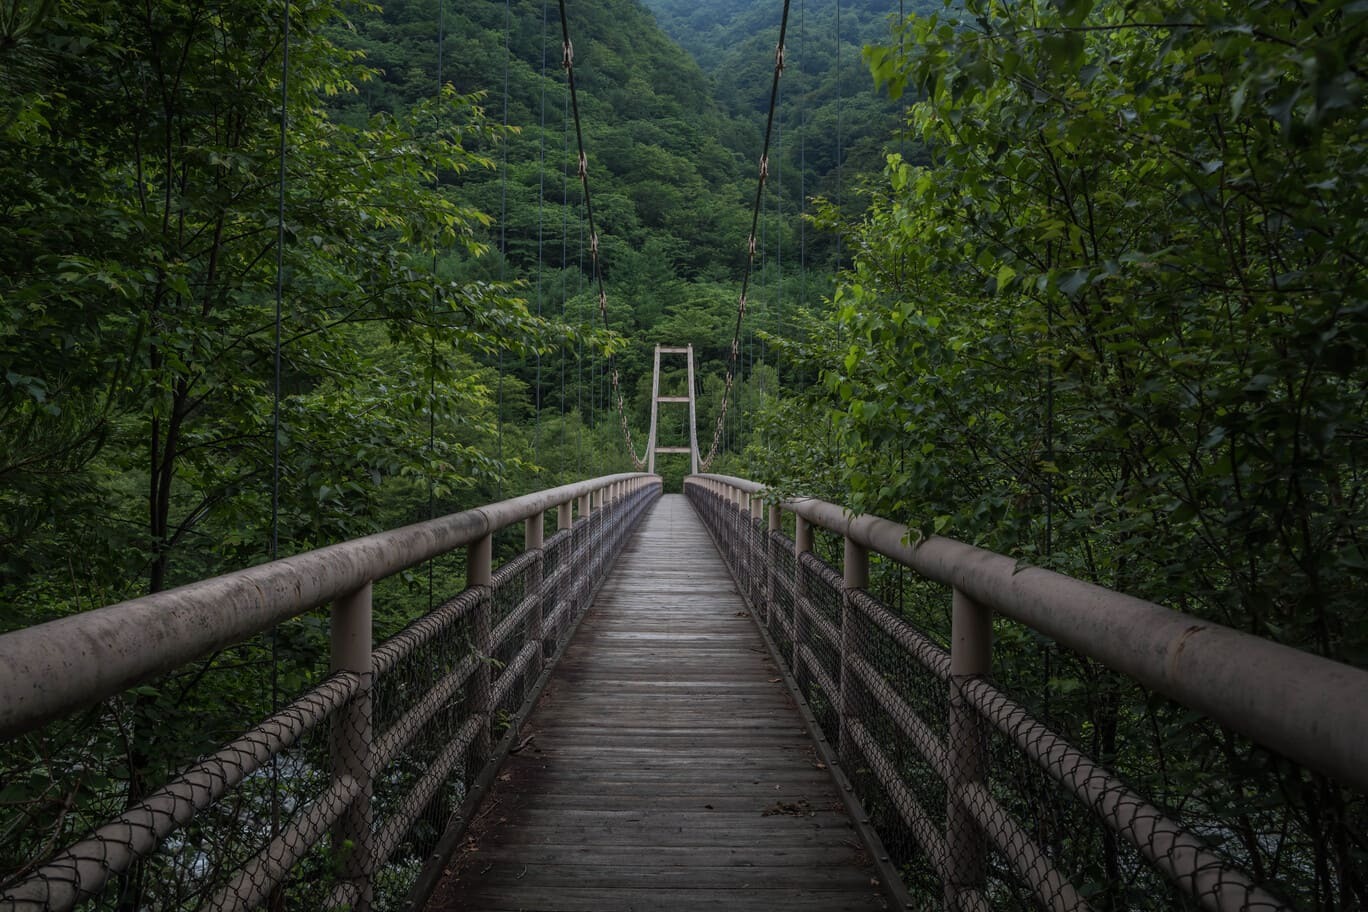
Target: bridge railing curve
point(958, 777)
point(374, 759)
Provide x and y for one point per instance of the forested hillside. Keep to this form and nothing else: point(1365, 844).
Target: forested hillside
point(672, 177)
point(833, 124)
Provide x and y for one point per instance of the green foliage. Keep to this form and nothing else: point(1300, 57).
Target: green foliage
point(1116, 325)
point(137, 288)
point(1154, 223)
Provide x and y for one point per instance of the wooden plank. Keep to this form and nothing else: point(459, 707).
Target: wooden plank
point(532, 898)
point(655, 856)
point(647, 876)
point(667, 768)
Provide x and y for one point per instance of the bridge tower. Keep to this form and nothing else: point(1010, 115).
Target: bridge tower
point(652, 448)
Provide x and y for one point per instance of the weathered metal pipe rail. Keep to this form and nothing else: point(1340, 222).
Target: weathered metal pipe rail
point(442, 681)
point(1303, 707)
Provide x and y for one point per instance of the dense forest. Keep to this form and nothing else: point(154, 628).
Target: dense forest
point(1081, 283)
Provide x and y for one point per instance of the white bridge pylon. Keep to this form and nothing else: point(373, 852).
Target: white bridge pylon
point(651, 445)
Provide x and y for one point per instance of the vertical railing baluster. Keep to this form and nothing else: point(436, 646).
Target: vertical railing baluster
point(971, 639)
point(351, 738)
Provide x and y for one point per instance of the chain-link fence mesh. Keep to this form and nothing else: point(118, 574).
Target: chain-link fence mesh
point(1087, 792)
point(201, 837)
point(337, 800)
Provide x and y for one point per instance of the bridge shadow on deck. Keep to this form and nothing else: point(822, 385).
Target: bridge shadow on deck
point(665, 766)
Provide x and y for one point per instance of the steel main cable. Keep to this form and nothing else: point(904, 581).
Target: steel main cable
point(568, 63)
point(541, 228)
point(277, 366)
point(434, 307)
point(706, 462)
point(503, 229)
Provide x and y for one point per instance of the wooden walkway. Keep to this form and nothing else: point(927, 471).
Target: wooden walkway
point(668, 769)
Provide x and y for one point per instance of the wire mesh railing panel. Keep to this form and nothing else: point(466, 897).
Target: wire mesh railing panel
point(753, 547)
point(431, 658)
point(515, 599)
point(819, 641)
point(511, 583)
point(204, 838)
point(781, 600)
point(1102, 868)
point(422, 707)
point(556, 583)
point(900, 698)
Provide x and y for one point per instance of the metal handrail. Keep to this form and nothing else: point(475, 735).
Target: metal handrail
point(1308, 708)
point(52, 669)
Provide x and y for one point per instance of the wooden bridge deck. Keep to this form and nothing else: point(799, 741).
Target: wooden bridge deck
point(668, 768)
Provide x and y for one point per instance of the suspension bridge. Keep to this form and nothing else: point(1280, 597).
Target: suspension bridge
point(671, 702)
point(678, 700)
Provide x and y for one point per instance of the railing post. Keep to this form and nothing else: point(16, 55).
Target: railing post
point(479, 572)
point(534, 534)
point(855, 579)
point(802, 544)
point(971, 639)
point(565, 515)
point(351, 740)
point(583, 505)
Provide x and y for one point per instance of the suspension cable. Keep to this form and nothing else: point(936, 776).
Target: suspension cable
point(276, 385)
point(503, 228)
point(840, 134)
point(568, 62)
point(777, 320)
point(541, 233)
point(565, 280)
point(750, 245)
point(434, 307)
point(802, 156)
